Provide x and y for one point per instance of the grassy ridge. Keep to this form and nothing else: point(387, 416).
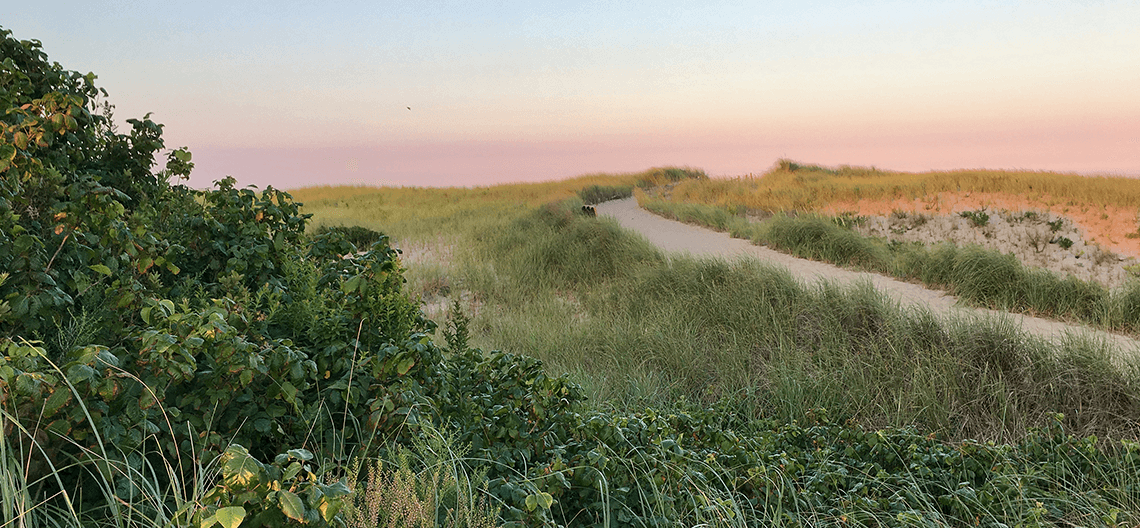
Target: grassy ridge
point(423, 213)
point(977, 276)
point(791, 186)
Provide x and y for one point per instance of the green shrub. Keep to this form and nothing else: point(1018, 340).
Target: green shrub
point(360, 237)
point(979, 218)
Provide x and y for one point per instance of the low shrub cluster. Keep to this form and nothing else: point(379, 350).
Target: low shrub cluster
point(359, 236)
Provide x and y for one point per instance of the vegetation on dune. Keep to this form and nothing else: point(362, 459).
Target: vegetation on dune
point(171, 357)
point(426, 212)
point(795, 187)
point(978, 276)
point(647, 331)
point(752, 352)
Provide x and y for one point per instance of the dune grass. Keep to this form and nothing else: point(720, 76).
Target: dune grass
point(646, 335)
point(978, 276)
point(636, 329)
point(792, 186)
point(421, 213)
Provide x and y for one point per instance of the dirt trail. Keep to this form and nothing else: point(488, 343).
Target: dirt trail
point(674, 236)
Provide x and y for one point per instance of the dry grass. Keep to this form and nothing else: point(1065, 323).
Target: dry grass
point(1106, 208)
point(421, 212)
point(794, 187)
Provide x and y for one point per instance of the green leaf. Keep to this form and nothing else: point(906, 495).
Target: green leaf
point(240, 468)
point(125, 299)
point(291, 505)
point(60, 397)
point(290, 392)
point(531, 502)
point(100, 269)
point(545, 500)
point(329, 509)
point(352, 284)
point(300, 454)
point(230, 516)
point(405, 366)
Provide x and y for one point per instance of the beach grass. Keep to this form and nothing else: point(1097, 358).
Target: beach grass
point(636, 329)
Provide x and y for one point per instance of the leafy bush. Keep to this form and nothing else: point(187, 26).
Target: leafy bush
point(172, 314)
point(359, 236)
point(251, 493)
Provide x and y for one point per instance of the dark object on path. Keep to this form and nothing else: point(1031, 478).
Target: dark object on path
point(588, 210)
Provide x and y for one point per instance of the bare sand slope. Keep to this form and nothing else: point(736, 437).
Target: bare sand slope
point(678, 237)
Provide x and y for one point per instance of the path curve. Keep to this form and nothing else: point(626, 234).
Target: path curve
point(678, 237)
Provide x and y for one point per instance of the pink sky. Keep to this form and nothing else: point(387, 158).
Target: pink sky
point(290, 95)
point(1111, 146)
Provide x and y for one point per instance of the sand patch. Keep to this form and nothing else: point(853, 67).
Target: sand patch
point(432, 272)
point(1105, 225)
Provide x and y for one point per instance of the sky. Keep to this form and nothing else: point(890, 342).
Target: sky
point(294, 94)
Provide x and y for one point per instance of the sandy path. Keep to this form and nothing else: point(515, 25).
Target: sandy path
point(678, 237)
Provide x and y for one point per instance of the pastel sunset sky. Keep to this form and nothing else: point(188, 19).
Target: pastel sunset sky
point(293, 94)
